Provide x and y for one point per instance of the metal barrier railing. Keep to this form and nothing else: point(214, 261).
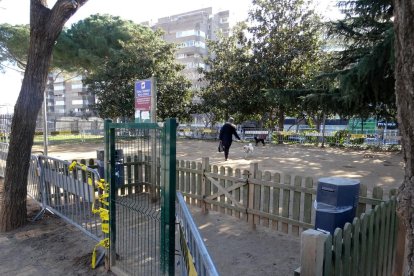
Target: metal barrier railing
point(194, 254)
point(66, 189)
point(70, 193)
point(33, 181)
point(4, 149)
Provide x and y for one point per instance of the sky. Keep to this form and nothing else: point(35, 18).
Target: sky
point(17, 12)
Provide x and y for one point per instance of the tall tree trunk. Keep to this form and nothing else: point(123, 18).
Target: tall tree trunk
point(45, 27)
point(404, 88)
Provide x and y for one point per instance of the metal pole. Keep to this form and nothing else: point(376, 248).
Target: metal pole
point(45, 138)
point(153, 100)
point(323, 130)
point(154, 186)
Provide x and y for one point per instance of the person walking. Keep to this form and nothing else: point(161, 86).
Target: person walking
point(226, 136)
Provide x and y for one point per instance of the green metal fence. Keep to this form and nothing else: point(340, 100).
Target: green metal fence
point(142, 198)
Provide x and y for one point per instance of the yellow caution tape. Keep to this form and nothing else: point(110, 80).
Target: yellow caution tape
point(72, 166)
point(103, 213)
point(103, 196)
point(104, 243)
point(102, 185)
point(188, 258)
point(90, 182)
point(102, 199)
point(93, 262)
point(105, 228)
point(74, 163)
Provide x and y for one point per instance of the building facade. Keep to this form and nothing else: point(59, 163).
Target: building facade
point(67, 96)
point(190, 32)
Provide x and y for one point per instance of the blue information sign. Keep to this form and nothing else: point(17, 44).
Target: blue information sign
point(143, 88)
point(142, 91)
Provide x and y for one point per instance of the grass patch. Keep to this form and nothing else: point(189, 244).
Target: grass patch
point(69, 139)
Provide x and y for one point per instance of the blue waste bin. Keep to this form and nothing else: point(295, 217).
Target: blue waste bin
point(119, 166)
point(336, 202)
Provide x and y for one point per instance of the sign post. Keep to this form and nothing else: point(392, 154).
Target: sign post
point(146, 111)
point(145, 101)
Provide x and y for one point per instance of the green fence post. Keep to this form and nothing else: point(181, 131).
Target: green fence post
point(110, 179)
point(168, 217)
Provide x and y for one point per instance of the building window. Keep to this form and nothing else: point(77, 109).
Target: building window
point(200, 44)
point(180, 56)
point(223, 20)
point(79, 77)
point(58, 87)
point(77, 102)
point(192, 43)
point(194, 65)
point(60, 103)
point(190, 33)
point(77, 86)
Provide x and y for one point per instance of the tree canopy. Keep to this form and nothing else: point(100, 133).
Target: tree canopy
point(14, 45)
point(111, 54)
point(228, 90)
point(279, 51)
point(365, 67)
point(45, 26)
point(115, 53)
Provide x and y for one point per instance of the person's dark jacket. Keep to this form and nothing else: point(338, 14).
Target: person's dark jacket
point(226, 133)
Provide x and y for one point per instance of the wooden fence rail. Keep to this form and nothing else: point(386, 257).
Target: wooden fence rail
point(282, 202)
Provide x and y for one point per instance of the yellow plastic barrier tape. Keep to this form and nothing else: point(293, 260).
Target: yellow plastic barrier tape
point(102, 199)
point(103, 213)
point(105, 228)
point(188, 259)
point(90, 182)
point(102, 185)
point(104, 243)
point(72, 166)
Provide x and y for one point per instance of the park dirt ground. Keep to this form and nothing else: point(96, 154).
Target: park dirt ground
point(50, 246)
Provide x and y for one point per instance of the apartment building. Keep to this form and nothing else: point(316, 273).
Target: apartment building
point(67, 96)
point(190, 31)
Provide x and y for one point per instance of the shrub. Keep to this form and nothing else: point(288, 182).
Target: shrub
point(341, 136)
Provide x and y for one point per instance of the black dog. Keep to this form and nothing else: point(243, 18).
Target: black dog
point(258, 140)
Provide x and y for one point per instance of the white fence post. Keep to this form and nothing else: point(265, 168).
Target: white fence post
point(254, 167)
point(205, 168)
point(312, 252)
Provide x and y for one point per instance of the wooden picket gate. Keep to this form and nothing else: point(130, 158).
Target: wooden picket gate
point(367, 246)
